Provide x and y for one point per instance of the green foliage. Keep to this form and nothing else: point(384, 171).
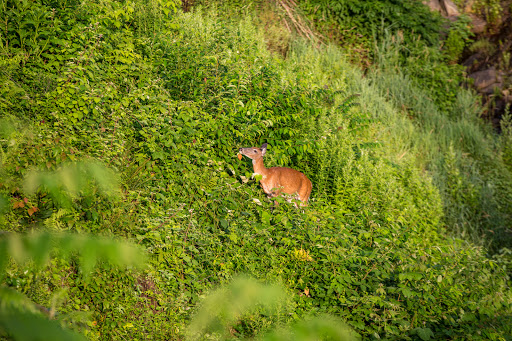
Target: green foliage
point(458, 38)
point(71, 181)
point(38, 246)
point(492, 9)
point(370, 18)
point(455, 146)
point(323, 327)
point(483, 46)
point(226, 305)
point(506, 129)
point(368, 28)
point(16, 311)
point(425, 67)
point(15, 319)
point(166, 99)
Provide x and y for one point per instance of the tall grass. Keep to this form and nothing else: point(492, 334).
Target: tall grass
point(459, 150)
point(454, 147)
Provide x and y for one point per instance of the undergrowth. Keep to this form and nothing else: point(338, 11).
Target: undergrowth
point(166, 99)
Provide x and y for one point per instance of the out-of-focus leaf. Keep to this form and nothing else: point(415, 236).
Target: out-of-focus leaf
point(28, 326)
point(4, 258)
point(21, 320)
point(71, 180)
point(6, 128)
point(37, 247)
point(319, 328)
point(226, 305)
point(4, 204)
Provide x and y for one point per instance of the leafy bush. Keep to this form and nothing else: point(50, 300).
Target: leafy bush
point(459, 36)
point(367, 28)
point(371, 18)
point(506, 128)
point(425, 67)
point(228, 304)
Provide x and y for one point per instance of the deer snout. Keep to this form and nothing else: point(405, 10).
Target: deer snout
point(240, 150)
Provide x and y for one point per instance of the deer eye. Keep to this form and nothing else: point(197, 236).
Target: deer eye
point(254, 151)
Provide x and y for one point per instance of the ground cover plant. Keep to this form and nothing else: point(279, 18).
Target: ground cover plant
point(165, 99)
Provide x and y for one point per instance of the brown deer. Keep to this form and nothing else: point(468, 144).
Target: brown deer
point(278, 180)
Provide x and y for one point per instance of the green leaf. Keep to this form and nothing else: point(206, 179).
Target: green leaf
point(37, 246)
point(223, 307)
point(319, 328)
point(4, 204)
point(15, 321)
point(265, 217)
point(4, 257)
point(424, 333)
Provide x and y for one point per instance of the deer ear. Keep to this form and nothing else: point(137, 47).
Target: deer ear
point(263, 148)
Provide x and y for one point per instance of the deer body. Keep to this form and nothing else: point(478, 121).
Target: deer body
point(278, 180)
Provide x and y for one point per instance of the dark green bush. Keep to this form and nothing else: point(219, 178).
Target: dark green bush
point(370, 19)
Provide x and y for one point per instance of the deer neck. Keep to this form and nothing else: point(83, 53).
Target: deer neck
point(259, 167)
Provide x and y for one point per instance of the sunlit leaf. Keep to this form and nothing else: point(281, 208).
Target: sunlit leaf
point(319, 328)
point(71, 180)
point(15, 323)
point(37, 247)
point(224, 306)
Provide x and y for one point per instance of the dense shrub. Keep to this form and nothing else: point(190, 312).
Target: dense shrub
point(370, 19)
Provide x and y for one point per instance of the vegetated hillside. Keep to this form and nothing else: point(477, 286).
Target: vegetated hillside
point(166, 99)
point(410, 54)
